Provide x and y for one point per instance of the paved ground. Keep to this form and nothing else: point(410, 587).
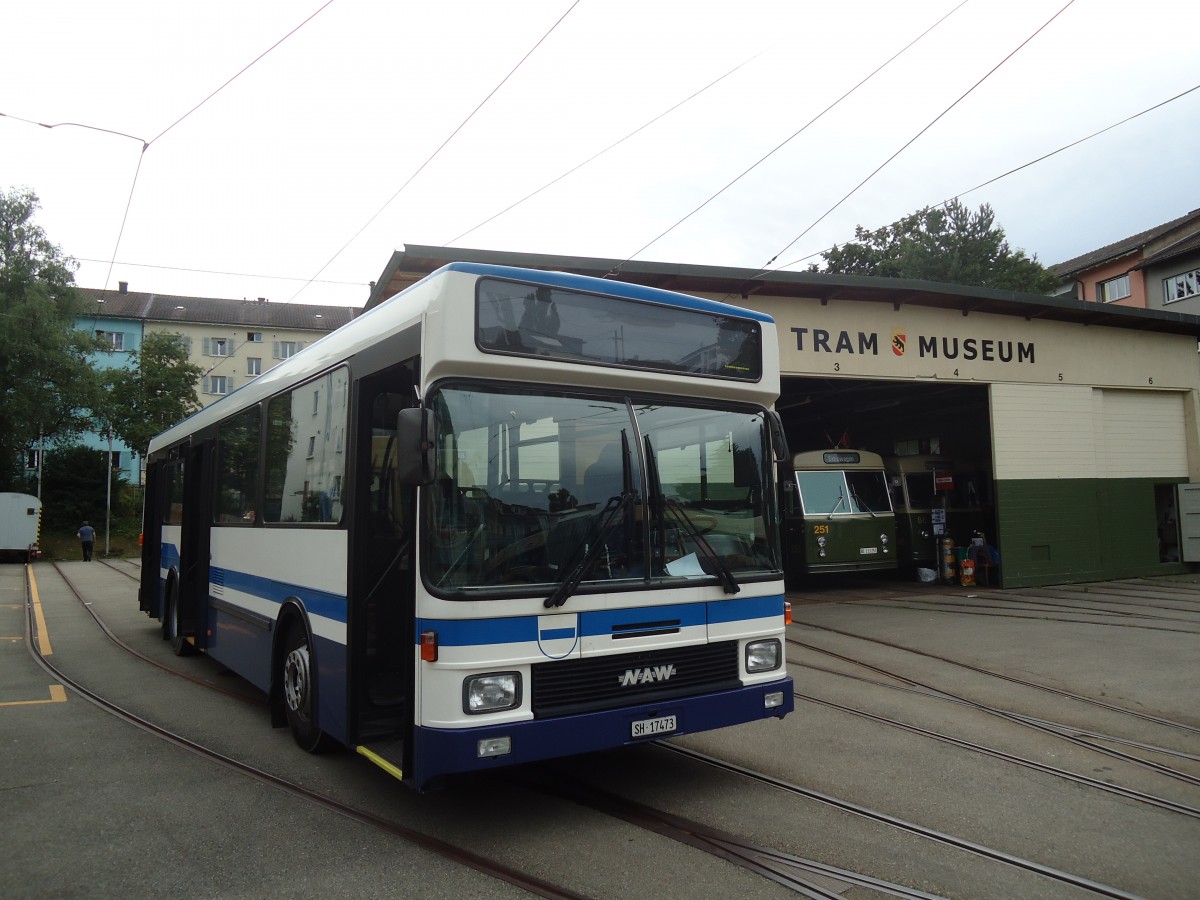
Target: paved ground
point(92, 806)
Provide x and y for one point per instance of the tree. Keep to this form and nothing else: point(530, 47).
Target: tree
point(47, 384)
point(157, 390)
point(74, 489)
point(950, 243)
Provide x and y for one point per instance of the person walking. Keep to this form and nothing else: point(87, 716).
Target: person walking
point(87, 537)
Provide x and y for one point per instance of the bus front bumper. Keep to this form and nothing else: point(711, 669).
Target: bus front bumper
point(439, 751)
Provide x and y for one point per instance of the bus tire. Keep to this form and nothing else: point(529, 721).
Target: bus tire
point(299, 689)
point(171, 631)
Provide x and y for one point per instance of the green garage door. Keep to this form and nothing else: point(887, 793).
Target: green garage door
point(1076, 469)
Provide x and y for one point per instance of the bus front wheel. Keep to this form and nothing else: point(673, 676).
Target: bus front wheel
point(299, 690)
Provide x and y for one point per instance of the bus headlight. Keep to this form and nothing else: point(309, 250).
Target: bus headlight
point(491, 693)
point(763, 656)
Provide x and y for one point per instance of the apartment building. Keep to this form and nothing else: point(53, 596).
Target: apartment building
point(1155, 269)
point(232, 341)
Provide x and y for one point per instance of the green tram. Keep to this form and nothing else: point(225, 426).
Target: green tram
point(838, 514)
point(936, 497)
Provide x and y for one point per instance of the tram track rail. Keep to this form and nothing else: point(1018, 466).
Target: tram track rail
point(1070, 729)
point(441, 848)
point(108, 633)
point(787, 869)
point(1056, 875)
point(1054, 730)
point(975, 611)
point(973, 746)
point(1095, 601)
point(1037, 606)
point(805, 877)
point(1024, 682)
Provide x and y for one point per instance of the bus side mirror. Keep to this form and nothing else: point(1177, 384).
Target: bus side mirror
point(414, 446)
point(779, 445)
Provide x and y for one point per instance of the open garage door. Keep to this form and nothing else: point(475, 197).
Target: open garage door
point(944, 426)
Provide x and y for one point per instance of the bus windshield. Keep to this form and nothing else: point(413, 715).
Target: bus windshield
point(538, 488)
point(538, 320)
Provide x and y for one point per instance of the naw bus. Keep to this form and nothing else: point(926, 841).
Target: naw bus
point(837, 513)
point(506, 515)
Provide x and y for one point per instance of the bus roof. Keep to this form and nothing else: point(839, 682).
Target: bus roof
point(591, 285)
point(405, 310)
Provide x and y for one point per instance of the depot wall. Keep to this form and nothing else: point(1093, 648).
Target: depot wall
point(1086, 420)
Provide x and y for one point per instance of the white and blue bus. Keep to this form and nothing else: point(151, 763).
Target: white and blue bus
point(506, 515)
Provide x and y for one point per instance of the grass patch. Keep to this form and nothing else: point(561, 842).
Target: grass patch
point(122, 541)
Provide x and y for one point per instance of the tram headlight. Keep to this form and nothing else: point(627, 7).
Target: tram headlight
point(763, 656)
point(821, 542)
point(883, 540)
point(492, 692)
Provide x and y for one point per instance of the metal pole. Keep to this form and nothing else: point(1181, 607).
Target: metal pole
point(108, 492)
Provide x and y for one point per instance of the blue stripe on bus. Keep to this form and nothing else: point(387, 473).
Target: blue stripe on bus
point(478, 632)
point(482, 632)
point(325, 604)
point(741, 610)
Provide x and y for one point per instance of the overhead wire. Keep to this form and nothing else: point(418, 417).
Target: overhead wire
point(146, 144)
point(794, 135)
point(441, 146)
point(766, 268)
point(242, 71)
point(315, 279)
point(611, 146)
point(1032, 162)
point(230, 274)
point(1094, 134)
point(1075, 143)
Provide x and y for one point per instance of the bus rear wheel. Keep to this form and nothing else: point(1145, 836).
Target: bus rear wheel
point(171, 630)
point(299, 690)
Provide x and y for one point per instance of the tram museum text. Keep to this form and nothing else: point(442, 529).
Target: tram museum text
point(863, 343)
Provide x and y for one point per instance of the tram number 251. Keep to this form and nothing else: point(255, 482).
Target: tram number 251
point(820, 529)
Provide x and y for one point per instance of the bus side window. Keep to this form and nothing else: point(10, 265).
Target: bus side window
point(237, 468)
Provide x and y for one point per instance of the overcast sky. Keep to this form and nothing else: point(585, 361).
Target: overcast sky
point(299, 177)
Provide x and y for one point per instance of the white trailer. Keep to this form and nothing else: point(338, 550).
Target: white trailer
point(20, 516)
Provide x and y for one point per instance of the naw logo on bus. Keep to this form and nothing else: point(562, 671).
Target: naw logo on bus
point(648, 675)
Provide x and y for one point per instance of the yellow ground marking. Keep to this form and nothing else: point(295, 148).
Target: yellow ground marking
point(43, 636)
point(58, 694)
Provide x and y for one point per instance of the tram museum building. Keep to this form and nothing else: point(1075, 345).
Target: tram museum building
point(1084, 419)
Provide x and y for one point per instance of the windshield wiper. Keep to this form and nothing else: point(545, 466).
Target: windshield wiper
point(595, 542)
point(612, 513)
point(863, 506)
point(724, 574)
point(480, 530)
point(837, 506)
